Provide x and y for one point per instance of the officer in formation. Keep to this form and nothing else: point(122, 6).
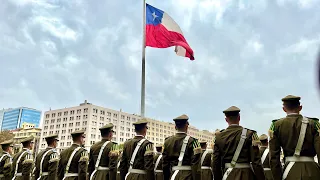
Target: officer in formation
point(264, 153)
point(73, 164)
point(23, 161)
point(158, 163)
point(104, 156)
point(205, 163)
point(6, 160)
point(181, 154)
point(236, 151)
point(299, 138)
point(46, 165)
point(137, 158)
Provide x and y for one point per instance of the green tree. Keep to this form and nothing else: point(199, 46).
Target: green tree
point(6, 135)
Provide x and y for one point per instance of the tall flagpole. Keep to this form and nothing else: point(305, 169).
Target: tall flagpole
point(143, 74)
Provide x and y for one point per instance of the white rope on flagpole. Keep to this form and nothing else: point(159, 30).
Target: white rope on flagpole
point(143, 62)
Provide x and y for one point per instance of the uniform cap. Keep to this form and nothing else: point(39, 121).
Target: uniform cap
point(106, 127)
point(263, 137)
point(232, 109)
point(28, 139)
point(78, 132)
point(141, 121)
point(291, 98)
point(8, 142)
point(53, 136)
point(183, 117)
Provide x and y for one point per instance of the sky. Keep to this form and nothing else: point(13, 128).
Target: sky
point(58, 53)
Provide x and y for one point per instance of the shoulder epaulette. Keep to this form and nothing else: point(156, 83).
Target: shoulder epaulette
point(196, 146)
point(114, 151)
point(54, 157)
point(149, 149)
point(84, 155)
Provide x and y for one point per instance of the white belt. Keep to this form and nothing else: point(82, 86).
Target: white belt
point(100, 168)
point(267, 169)
point(44, 174)
point(182, 168)
point(299, 159)
point(118, 172)
point(137, 171)
point(205, 167)
point(18, 174)
point(158, 171)
point(238, 165)
point(71, 175)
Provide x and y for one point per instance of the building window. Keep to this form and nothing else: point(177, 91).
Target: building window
point(85, 110)
point(58, 120)
point(58, 126)
point(65, 113)
point(64, 125)
point(115, 121)
point(46, 122)
point(72, 112)
point(101, 118)
point(52, 126)
point(94, 117)
point(62, 144)
point(57, 132)
point(84, 123)
point(102, 112)
point(121, 134)
point(65, 119)
point(128, 129)
point(70, 124)
point(85, 116)
point(109, 113)
point(68, 143)
point(59, 114)
point(69, 130)
point(122, 116)
point(52, 120)
point(63, 137)
point(53, 115)
point(115, 115)
point(78, 111)
point(45, 127)
point(122, 122)
point(47, 115)
point(63, 131)
point(133, 119)
point(122, 128)
point(71, 118)
point(128, 118)
point(77, 123)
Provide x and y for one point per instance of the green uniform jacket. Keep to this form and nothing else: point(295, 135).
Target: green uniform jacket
point(266, 164)
point(143, 160)
point(206, 174)
point(25, 165)
point(107, 160)
point(158, 175)
point(170, 155)
point(79, 163)
point(6, 166)
point(226, 143)
point(49, 165)
point(285, 133)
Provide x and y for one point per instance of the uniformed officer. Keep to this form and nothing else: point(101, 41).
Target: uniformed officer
point(158, 163)
point(103, 156)
point(23, 160)
point(137, 155)
point(206, 155)
point(264, 153)
point(181, 153)
point(73, 164)
point(299, 138)
point(47, 160)
point(235, 149)
point(6, 160)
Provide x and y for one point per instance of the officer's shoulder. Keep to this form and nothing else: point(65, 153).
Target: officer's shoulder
point(168, 138)
point(313, 118)
point(251, 131)
point(127, 141)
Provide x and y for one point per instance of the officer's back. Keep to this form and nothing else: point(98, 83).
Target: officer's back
point(77, 168)
point(188, 168)
point(285, 133)
point(226, 165)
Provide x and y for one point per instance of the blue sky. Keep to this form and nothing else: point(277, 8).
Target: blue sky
point(248, 53)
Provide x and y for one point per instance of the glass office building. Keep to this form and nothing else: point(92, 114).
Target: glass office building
point(14, 118)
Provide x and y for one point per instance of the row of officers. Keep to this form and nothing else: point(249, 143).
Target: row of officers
point(238, 153)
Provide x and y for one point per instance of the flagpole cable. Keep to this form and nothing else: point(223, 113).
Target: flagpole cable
point(143, 62)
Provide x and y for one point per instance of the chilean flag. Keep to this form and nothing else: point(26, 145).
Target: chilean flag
point(163, 32)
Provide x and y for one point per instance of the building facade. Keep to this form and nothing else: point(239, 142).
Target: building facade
point(14, 118)
point(1, 116)
point(26, 130)
point(91, 117)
